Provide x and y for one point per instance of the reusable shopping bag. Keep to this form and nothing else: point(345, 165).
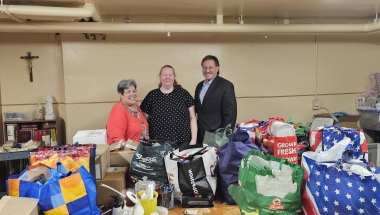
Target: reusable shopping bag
point(217, 138)
point(58, 191)
point(254, 128)
point(283, 147)
point(230, 156)
point(268, 185)
point(328, 136)
point(71, 156)
point(338, 183)
point(148, 161)
point(192, 171)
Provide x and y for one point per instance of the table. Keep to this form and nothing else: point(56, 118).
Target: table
point(220, 208)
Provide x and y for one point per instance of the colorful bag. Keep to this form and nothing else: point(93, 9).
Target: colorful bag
point(72, 157)
point(327, 137)
point(249, 127)
point(217, 138)
point(299, 128)
point(25, 184)
point(58, 191)
point(74, 194)
point(336, 183)
point(268, 185)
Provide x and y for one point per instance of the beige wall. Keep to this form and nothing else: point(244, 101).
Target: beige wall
point(272, 76)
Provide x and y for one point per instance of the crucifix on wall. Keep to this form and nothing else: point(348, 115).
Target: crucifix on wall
point(29, 58)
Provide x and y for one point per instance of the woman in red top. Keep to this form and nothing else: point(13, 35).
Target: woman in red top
point(126, 121)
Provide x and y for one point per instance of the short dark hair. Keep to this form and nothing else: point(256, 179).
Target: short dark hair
point(211, 57)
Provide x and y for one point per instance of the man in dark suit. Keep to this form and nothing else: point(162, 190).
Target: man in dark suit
point(215, 100)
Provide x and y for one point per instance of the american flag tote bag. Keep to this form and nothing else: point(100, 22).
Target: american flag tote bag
point(328, 136)
point(337, 184)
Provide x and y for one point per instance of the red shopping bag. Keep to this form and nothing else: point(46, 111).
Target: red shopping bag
point(284, 147)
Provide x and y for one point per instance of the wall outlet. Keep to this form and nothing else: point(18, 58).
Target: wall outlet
point(316, 104)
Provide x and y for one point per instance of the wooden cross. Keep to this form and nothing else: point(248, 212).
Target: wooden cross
point(29, 58)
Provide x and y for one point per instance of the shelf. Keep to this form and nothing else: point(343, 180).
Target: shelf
point(369, 111)
point(29, 121)
point(6, 156)
point(59, 124)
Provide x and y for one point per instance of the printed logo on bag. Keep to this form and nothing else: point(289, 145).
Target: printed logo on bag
point(163, 153)
point(276, 204)
point(146, 159)
point(192, 182)
point(286, 147)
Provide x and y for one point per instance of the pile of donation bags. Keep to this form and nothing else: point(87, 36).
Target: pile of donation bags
point(244, 167)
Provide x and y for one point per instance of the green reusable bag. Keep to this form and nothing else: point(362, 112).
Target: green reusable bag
point(268, 185)
point(301, 128)
point(217, 138)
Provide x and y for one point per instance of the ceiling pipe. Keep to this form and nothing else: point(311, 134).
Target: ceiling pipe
point(81, 27)
point(50, 13)
point(95, 15)
point(10, 15)
point(267, 29)
point(219, 19)
point(273, 29)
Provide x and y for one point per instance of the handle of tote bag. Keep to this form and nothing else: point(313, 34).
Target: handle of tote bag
point(227, 128)
point(189, 157)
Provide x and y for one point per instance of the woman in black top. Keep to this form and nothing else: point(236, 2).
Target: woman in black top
point(170, 110)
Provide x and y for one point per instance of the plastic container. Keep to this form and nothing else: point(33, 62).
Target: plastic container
point(280, 129)
point(20, 116)
point(149, 205)
point(360, 102)
point(142, 185)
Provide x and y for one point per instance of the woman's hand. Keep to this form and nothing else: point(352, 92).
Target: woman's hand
point(193, 142)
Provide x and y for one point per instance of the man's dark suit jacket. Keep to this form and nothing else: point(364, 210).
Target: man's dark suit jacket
point(218, 108)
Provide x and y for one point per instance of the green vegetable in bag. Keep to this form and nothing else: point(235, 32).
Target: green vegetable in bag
point(268, 185)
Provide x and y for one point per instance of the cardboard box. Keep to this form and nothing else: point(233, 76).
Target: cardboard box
point(115, 178)
point(102, 160)
point(122, 158)
point(18, 205)
point(98, 136)
point(344, 121)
